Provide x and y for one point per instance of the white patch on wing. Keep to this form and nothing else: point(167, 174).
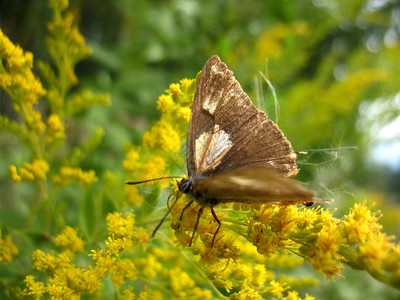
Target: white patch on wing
point(215, 70)
point(211, 148)
point(210, 105)
point(200, 146)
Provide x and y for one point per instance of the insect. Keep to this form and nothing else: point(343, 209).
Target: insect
point(234, 153)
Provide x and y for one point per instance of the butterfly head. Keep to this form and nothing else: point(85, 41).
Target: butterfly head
point(185, 185)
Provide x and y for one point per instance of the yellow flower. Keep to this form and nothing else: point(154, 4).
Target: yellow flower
point(165, 103)
point(240, 272)
point(183, 286)
point(149, 295)
point(148, 266)
point(69, 240)
point(306, 218)
point(360, 224)
point(36, 289)
point(223, 284)
point(293, 295)
point(120, 225)
point(183, 114)
point(246, 294)
point(33, 120)
point(14, 174)
point(259, 275)
point(186, 84)
point(326, 254)
point(75, 280)
point(132, 195)
point(131, 163)
point(175, 89)
point(30, 171)
point(16, 76)
point(153, 168)
point(128, 294)
point(55, 130)
point(266, 241)
point(69, 175)
point(59, 4)
point(7, 248)
point(180, 281)
point(104, 264)
point(141, 236)
point(284, 219)
point(125, 270)
point(164, 137)
point(117, 245)
point(276, 289)
point(44, 262)
point(374, 252)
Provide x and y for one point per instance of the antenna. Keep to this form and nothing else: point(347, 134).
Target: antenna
point(143, 181)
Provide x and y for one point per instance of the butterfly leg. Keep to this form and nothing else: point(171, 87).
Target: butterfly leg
point(195, 226)
point(165, 216)
point(219, 226)
point(178, 194)
point(183, 210)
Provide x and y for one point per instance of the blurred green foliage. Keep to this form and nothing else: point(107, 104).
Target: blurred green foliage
point(325, 59)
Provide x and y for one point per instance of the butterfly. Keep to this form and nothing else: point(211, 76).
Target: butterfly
point(234, 152)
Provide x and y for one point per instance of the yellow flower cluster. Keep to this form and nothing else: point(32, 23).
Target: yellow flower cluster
point(63, 33)
point(69, 241)
point(167, 267)
point(184, 287)
point(30, 171)
point(18, 80)
point(16, 76)
point(68, 175)
point(132, 195)
point(223, 248)
point(162, 136)
point(68, 281)
point(325, 241)
point(360, 225)
point(163, 141)
point(55, 129)
point(7, 248)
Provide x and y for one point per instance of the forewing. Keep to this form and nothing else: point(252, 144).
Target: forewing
point(251, 185)
point(227, 131)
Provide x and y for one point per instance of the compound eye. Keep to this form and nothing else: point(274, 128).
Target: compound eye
point(185, 186)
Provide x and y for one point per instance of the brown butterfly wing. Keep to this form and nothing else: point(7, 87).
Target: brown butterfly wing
point(227, 131)
point(251, 185)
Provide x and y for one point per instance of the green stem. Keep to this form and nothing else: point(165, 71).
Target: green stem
point(41, 184)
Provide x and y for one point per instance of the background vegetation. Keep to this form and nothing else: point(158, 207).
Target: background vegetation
point(335, 66)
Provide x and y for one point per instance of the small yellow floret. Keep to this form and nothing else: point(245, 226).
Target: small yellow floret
point(119, 224)
point(69, 240)
point(7, 248)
